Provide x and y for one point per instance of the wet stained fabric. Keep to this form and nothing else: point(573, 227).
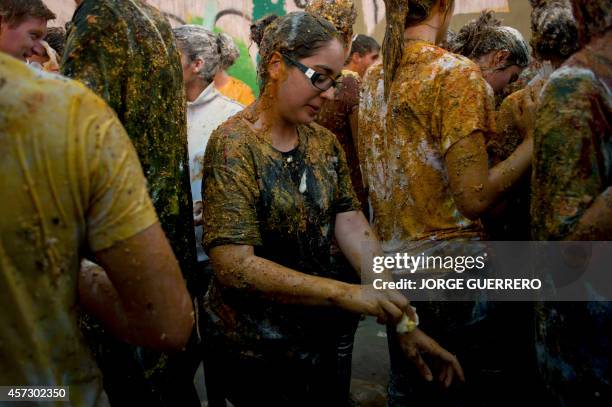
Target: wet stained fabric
point(372, 148)
point(436, 99)
point(239, 91)
point(124, 50)
point(283, 204)
point(75, 184)
point(572, 166)
point(334, 116)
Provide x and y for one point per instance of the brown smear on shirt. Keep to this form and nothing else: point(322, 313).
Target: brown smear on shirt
point(437, 99)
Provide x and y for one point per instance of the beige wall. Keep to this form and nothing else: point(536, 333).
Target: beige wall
point(519, 17)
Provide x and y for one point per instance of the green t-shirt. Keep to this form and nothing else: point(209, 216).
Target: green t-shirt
point(124, 50)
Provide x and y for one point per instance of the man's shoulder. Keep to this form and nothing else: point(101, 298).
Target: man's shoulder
point(20, 83)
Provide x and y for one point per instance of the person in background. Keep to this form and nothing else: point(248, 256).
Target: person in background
point(554, 39)
point(229, 86)
point(126, 53)
point(47, 61)
point(23, 24)
point(76, 189)
point(201, 58)
point(276, 189)
point(56, 38)
point(364, 52)
point(436, 178)
point(501, 52)
point(571, 199)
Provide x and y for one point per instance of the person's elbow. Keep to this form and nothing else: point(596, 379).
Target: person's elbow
point(472, 207)
point(169, 332)
point(229, 262)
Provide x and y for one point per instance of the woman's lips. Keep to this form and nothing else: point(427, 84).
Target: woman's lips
point(315, 109)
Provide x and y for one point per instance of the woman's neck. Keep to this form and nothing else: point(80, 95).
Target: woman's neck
point(283, 134)
point(195, 88)
point(426, 31)
point(221, 79)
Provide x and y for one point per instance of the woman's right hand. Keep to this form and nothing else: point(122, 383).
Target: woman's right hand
point(388, 306)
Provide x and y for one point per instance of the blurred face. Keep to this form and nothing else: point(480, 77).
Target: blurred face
point(501, 77)
point(22, 41)
point(299, 101)
point(190, 68)
point(363, 62)
point(496, 70)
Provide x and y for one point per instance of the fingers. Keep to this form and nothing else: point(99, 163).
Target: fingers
point(448, 380)
point(393, 312)
point(398, 299)
point(421, 366)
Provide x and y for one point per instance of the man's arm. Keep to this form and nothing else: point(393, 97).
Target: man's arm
point(139, 292)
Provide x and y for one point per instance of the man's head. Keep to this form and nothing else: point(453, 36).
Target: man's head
point(23, 24)
point(364, 52)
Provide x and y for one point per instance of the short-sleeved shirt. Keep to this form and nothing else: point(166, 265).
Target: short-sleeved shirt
point(285, 205)
point(334, 116)
point(572, 145)
point(437, 98)
point(70, 182)
point(124, 50)
point(371, 147)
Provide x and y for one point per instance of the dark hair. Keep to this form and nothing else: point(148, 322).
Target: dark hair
point(13, 12)
point(486, 34)
point(401, 14)
point(56, 38)
point(297, 35)
point(363, 44)
point(593, 18)
point(555, 35)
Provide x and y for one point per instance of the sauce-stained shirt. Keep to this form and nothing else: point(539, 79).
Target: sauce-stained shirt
point(285, 205)
point(124, 50)
point(437, 98)
point(71, 182)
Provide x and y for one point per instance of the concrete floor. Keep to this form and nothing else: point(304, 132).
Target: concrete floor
point(370, 366)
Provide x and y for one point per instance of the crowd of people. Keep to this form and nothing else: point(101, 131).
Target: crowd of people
point(158, 216)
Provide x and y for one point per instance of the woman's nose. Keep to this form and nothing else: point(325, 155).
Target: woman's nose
point(329, 93)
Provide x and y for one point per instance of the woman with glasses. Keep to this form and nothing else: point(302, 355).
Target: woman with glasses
point(276, 188)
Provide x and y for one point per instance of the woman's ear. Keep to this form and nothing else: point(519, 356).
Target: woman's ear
point(276, 66)
point(197, 65)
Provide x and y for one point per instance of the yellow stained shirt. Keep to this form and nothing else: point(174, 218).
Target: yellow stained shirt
point(70, 182)
point(436, 99)
point(239, 91)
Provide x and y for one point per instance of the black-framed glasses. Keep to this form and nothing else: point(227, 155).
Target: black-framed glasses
point(320, 81)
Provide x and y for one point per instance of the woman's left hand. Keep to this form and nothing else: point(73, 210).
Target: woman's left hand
point(417, 342)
